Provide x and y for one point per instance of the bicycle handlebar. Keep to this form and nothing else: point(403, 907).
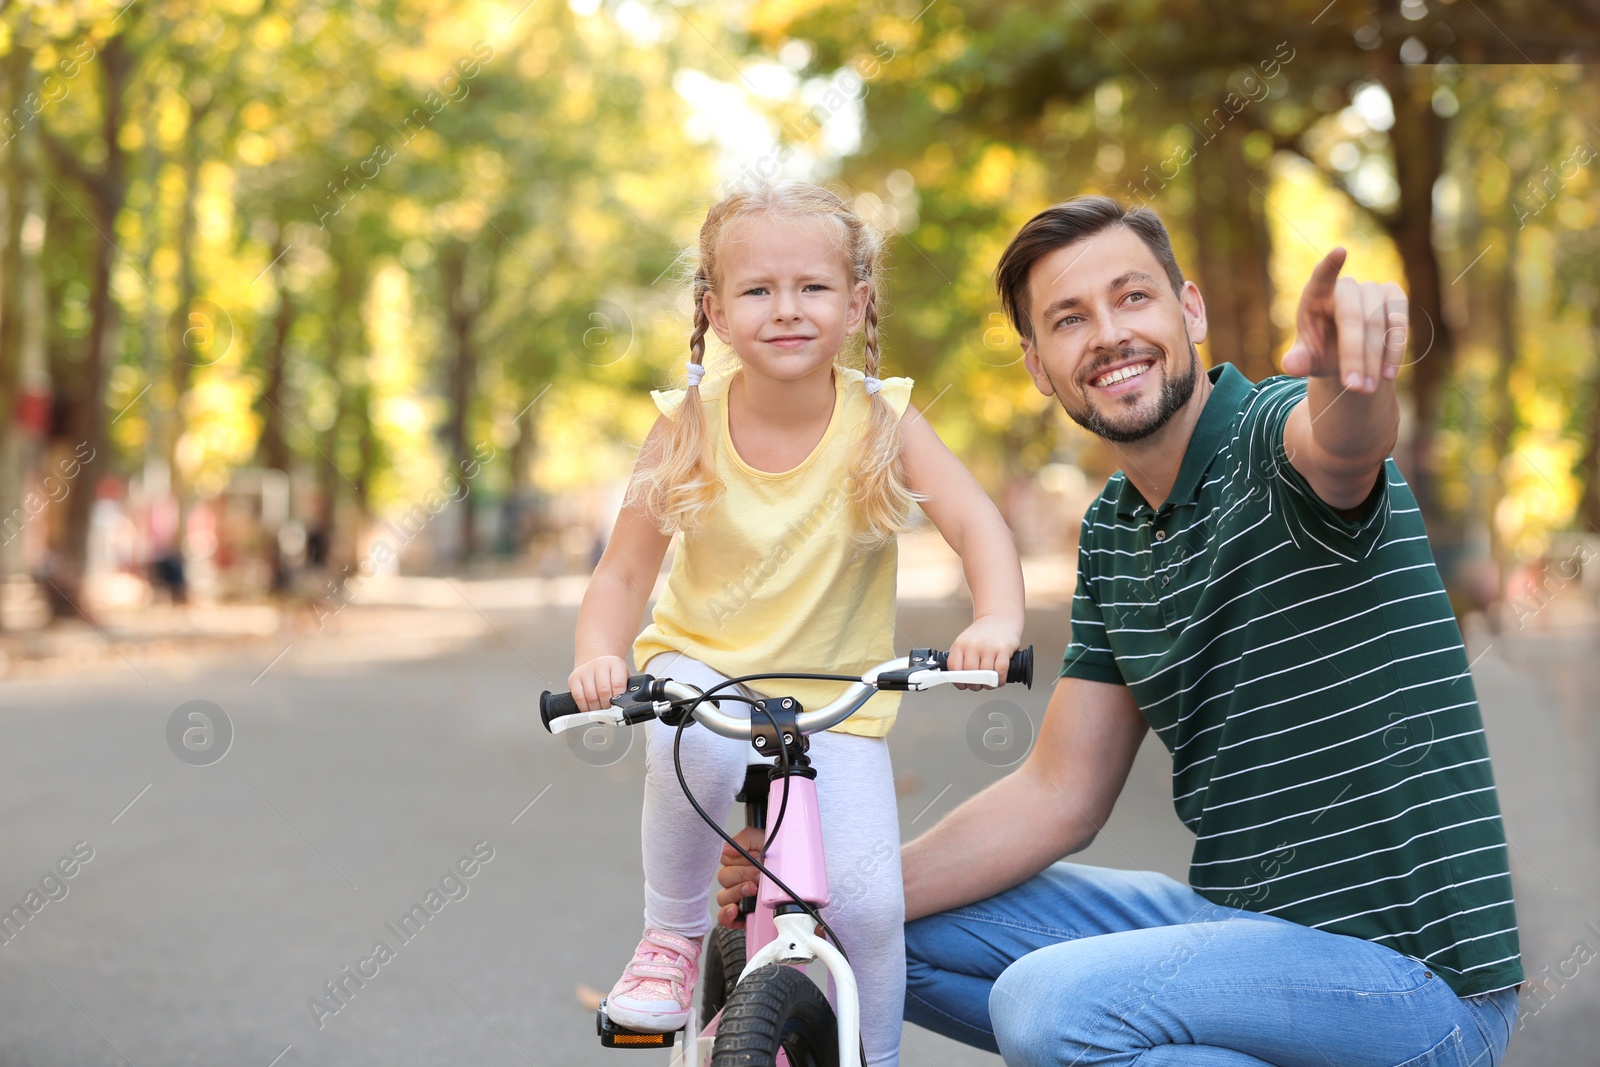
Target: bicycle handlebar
point(554, 706)
point(646, 696)
point(1020, 669)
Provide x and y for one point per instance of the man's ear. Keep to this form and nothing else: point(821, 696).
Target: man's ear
point(717, 316)
point(1194, 312)
point(1030, 359)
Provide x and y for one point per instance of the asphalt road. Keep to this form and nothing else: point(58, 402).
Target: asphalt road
point(217, 900)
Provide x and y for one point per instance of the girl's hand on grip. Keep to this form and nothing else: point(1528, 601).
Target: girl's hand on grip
point(986, 645)
point(593, 684)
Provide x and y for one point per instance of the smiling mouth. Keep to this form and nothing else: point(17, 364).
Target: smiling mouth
point(787, 340)
point(1121, 374)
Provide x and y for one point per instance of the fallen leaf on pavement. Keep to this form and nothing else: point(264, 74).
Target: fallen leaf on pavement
point(907, 784)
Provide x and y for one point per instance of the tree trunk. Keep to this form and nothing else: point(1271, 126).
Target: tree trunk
point(341, 337)
point(520, 495)
point(1487, 310)
point(85, 423)
point(461, 311)
point(360, 415)
point(274, 443)
point(17, 66)
point(1417, 140)
point(1234, 252)
point(158, 413)
point(198, 321)
point(1505, 300)
point(1589, 461)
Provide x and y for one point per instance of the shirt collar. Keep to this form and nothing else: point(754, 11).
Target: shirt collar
point(1229, 390)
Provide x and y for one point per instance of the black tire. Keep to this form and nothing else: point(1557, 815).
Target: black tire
point(776, 1007)
point(723, 963)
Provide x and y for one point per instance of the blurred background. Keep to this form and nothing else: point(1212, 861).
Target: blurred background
point(327, 330)
point(279, 283)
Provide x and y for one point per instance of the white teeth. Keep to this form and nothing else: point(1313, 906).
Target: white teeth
point(1121, 375)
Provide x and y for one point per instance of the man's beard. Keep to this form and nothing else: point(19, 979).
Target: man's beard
point(1175, 392)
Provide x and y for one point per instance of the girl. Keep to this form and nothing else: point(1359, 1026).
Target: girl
point(788, 479)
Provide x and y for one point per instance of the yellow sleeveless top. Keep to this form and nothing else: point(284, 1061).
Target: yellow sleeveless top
point(773, 579)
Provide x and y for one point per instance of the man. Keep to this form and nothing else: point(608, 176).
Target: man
point(1256, 586)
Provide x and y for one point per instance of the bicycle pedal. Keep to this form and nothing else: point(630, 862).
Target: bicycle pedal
point(614, 1036)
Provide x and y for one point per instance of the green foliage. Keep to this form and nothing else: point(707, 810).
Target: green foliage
point(425, 227)
point(543, 151)
point(1231, 120)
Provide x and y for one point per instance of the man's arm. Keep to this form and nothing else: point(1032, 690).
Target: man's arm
point(1350, 341)
point(1050, 807)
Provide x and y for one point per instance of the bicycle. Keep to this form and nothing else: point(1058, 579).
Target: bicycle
point(762, 1010)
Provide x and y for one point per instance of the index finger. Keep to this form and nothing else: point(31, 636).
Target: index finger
point(1324, 276)
point(732, 861)
point(749, 842)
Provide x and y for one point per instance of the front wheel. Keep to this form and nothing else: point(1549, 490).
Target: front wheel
point(776, 1009)
point(720, 968)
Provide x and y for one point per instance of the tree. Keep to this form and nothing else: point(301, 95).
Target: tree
point(81, 389)
point(1009, 73)
point(15, 69)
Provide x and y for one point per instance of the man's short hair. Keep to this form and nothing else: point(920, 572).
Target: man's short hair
point(1067, 223)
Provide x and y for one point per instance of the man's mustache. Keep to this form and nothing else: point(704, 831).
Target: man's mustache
point(1122, 355)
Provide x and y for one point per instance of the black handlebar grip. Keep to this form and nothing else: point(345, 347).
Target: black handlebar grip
point(553, 706)
point(1020, 669)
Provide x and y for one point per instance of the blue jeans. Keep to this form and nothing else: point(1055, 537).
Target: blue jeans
point(1088, 966)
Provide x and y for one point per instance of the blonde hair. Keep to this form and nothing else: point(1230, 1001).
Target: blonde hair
point(676, 480)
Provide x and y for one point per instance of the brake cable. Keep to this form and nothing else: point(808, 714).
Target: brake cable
point(783, 770)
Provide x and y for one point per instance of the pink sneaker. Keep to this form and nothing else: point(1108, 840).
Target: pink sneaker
point(655, 990)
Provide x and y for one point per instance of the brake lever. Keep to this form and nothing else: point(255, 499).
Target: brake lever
point(624, 711)
point(917, 681)
point(615, 717)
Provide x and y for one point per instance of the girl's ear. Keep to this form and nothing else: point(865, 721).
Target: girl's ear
point(858, 307)
point(717, 316)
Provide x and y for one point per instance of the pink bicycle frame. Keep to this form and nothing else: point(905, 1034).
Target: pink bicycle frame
point(795, 856)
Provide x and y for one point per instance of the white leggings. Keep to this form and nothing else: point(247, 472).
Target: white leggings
point(861, 845)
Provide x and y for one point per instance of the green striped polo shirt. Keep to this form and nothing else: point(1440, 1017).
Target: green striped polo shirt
point(1306, 673)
